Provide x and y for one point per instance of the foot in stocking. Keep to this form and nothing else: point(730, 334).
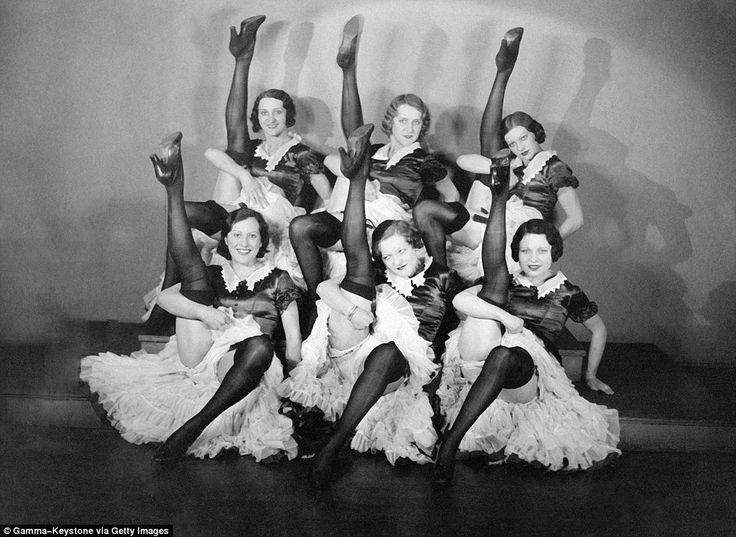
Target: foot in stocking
point(167, 162)
point(349, 43)
point(243, 43)
point(509, 50)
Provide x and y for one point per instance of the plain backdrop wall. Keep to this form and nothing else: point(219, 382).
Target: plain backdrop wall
point(638, 97)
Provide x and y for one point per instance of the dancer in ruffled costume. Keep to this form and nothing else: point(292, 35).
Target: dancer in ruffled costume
point(505, 393)
point(213, 386)
point(545, 186)
point(278, 176)
point(401, 171)
point(371, 381)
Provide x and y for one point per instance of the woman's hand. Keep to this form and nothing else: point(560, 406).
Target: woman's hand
point(513, 324)
point(254, 193)
point(597, 385)
point(361, 319)
point(214, 318)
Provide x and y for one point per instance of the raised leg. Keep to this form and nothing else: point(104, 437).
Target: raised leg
point(242, 45)
point(355, 165)
point(493, 252)
point(192, 270)
point(491, 140)
point(384, 365)
point(252, 359)
point(351, 112)
point(308, 233)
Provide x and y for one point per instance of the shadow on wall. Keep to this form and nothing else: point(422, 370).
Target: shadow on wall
point(635, 231)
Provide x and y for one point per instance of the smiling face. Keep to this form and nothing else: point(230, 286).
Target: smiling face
point(400, 257)
point(272, 116)
point(244, 242)
point(406, 126)
point(522, 143)
point(535, 257)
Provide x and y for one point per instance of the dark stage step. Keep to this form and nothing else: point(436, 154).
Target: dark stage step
point(663, 406)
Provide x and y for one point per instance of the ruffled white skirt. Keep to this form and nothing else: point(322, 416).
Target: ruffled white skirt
point(467, 262)
point(400, 423)
point(558, 429)
point(149, 396)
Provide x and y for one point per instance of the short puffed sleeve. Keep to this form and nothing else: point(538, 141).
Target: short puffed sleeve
point(431, 171)
point(560, 175)
point(579, 307)
point(285, 292)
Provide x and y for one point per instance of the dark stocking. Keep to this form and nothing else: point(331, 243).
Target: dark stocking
point(491, 139)
point(385, 364)
point(493, 252)
point(501, 369)
point(241, 47)
point(308, 233)
point(435, 220)
point(252, 359)
point(355, 166)
point(192, 270)
point(351, 112)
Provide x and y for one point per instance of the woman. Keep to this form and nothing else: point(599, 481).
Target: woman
point(372, 379)
point(213, 386)
point(278, 176)
point(401, 171)
point(545, 186)
point(505, 394)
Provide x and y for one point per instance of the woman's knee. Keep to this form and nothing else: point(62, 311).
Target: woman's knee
point(389, 357)
point(424, 211)
point(256, 351)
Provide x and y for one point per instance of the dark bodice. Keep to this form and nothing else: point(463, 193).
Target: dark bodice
point(267, 299)
point(541, 191)
point(406, 178)
point(291, 173)
point(431, 302)
point(548, 314)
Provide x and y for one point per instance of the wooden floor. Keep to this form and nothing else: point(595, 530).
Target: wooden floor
point(89, 475)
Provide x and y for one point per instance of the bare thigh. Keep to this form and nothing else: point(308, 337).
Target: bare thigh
point(193, 340)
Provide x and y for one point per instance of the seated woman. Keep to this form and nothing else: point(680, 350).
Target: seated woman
point(505, 393)
point(213, 387)
point(372, 379)
point(401, 171)
point(278, 176)
point(544, 188)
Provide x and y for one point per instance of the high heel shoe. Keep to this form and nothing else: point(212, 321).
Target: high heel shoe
point(243, 43)
point(355, 158)
point(500, 172)
point(509, 49)
point(167, 162)
point(349, 44)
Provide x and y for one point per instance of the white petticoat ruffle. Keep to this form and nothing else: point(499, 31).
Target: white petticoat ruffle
point(558, 429)
point(149, 396)
point(468, 263)
point(400, 423)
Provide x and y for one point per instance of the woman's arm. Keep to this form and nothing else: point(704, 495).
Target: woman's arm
point(177, 304)
point(290, 322)
point(469, 303)
point(595, 353)
point(321, 185)
point(568, 215)
point(330, 292)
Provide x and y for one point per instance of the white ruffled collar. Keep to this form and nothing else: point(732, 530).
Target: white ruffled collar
point(554, 283)
point(406, 285)
point(273, 160)
point(535, 165)
point(382, 153)
point(232, 280)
